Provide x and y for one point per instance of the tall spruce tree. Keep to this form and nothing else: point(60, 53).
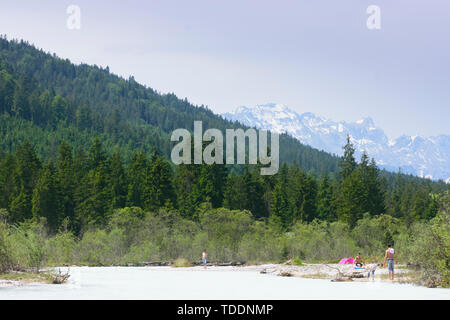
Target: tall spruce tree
point(65, 180)
point(118, 181)
point(280, 206)
point(348, 163)
point(138, 172)
point(45, 198)
point(326, 205)
point(24, 179)
point(375, 190)
point(160, 188)
point(96, 196)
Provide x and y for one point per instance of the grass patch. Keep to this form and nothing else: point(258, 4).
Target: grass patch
point(323, 261)
point(316, 276)
point(297, 262)
point(181, 263)
point(404, 277)
point(28, 277)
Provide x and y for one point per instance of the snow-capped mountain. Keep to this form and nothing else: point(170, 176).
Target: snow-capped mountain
point(424, 157)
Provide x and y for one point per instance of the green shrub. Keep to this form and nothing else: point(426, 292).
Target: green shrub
point(431, 247)
point(28, 242)
point(101, 247)
point(297, 262)
point(5, 249)
point(373, 234)
point(61, 249)
point(143, 252)
point(225, 229)
point(181, 263)
point(261, 243)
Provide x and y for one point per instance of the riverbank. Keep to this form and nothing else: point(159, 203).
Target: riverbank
point(335, 272)
point(13, 279)
point(318, 271)
point(46, 276)
point(311, 271)
point(223, 283)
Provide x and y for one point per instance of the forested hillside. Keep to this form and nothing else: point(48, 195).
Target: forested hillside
point(47, 99)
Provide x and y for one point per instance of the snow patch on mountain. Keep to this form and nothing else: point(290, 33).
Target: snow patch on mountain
point(424, 157)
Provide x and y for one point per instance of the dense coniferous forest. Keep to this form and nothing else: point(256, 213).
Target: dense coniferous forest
point(82, 189)
point(79, 145)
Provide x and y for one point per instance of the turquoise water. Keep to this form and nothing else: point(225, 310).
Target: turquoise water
point(214, 283)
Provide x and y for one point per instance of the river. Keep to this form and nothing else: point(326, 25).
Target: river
point(214, 283)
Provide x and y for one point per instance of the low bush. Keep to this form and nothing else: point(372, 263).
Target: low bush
point(298, 262)
point(181, 263)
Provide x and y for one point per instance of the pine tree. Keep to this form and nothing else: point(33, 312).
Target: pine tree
point(186, 187)
point(234, 195)
point(95, 198)
point(118, 181)
point(45, 201)
point(58, 110)
point(20, 206)
point(296, 192)
point(348, 163)
point(255, 195)
point(137, 179)
point(309, 205)
point(24, 179)
point(65, 181)
point(159, 183)
point(326, 207)
point(376, 201)
point(351, 198)
point(97, 156)
point(397, 197)
point(7, 86)
point(279, 202)
point(7, 169)
point(21, 106)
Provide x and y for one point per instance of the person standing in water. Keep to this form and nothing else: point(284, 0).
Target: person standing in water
point(371, 268)
point(204, 256)
point(390, 258)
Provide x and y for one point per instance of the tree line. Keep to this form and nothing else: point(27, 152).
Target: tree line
point(81, 189)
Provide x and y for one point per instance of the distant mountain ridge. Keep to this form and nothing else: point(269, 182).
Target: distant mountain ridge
point(423, 157)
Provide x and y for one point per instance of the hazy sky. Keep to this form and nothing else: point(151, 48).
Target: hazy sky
point(312, 55)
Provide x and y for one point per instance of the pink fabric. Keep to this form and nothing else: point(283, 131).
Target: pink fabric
point(346, 261)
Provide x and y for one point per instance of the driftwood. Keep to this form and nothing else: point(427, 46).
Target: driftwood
point(431, 283)
point(341, 276)
point(341, 280)
point(229, 263)
point(60, 278)
point(413, 266)
point(220, 263)
point(265, 271)
point(151, 264)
